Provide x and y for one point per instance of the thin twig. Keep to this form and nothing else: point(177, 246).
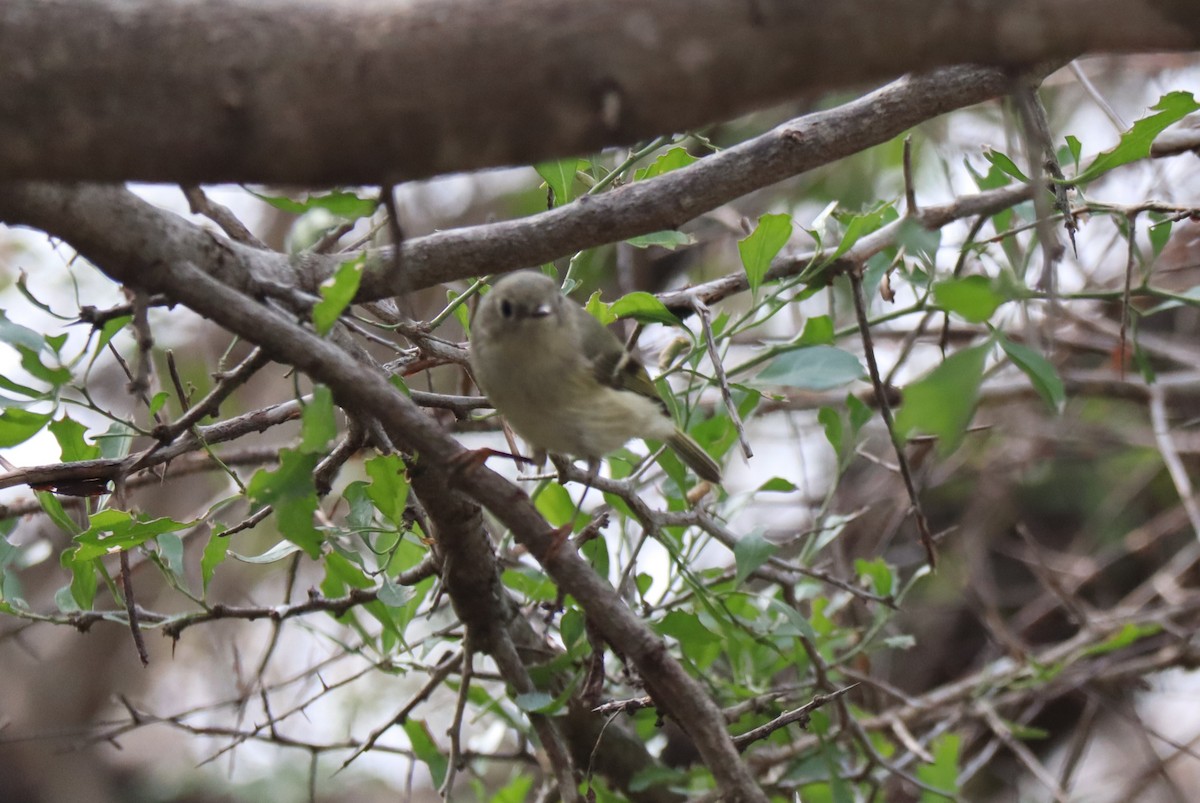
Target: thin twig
point(1112, 114)
point(455, 729)
point(220, 214)
point(885, 410)
point(1130, 254)
point(436, 676)
point(910, 192)
point(705, 316)
point(798, 715)
point(1024, 754)
point(1170, 456)
point(135, 626)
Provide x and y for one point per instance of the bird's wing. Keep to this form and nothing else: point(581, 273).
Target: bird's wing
point(612, 365)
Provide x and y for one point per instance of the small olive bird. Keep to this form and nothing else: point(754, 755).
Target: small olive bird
point(563, 381)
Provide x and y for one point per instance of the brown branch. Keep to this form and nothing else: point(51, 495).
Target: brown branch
point(234, 107)
point(223, 216)
point(131, 612)
point(104, 222)
point(174, 626)
point(181, 466)
point(796, 715)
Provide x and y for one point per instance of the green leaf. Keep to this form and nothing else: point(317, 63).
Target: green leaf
point(109, 330)
point(1076, 149)
point(943, 773)
point(916, 240)
point(69, 434)
point(1159, 234)
point(1135, 143)
point(860, 413)
point(673, 159)
point(393, 595)
point(337, 292)
point(943, 402)
point(18, 426)
point(54, 509)
point(113, 530)
point(24, 390)
point(170, 547)
point(343, 204)
point(760, 247)
point(994, 179)
point(115, 441)
point(599, 310)
point(32, 363)
point(273, 555)
point(668, 238)
point(644, 308)
point(17, 335)
point(973, 298)
point(83, 579)
point(1005, 164)
point(1040, 371)
point(555, 504)
point(818, 331)
point(289, 489)
point(462, 313)
point(860, 225)
point(362, 510)
point(778, 485)
point(215, 552)
point(318, 426)
point(686, 628)
point(792, 624)
point(158, 401)
point(879, 573)
point(835, 431)
point(517, 791)
point(64, 599)
point(571, 627)
point(23, 288)
point(750, 552)
point(529, 582)
point(813, 368)
point(389, 486)
point(560, 178)
point(540, 702)
point(340, 573)
point(1124, 637)
point(426, 750)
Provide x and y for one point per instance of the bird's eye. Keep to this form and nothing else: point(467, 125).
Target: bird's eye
point(506, 308)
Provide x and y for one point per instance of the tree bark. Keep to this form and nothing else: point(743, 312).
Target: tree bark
point(329, 92)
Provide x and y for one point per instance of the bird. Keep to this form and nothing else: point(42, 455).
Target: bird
point(564, 382)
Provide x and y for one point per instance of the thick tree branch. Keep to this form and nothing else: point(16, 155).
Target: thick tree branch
point(327, 92)
point(104, 222)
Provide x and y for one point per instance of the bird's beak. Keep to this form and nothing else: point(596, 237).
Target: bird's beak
point(540, 311)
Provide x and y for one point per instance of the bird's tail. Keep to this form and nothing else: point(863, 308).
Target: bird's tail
point(695, 457)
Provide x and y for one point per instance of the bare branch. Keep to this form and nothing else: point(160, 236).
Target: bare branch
point(235, 107)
